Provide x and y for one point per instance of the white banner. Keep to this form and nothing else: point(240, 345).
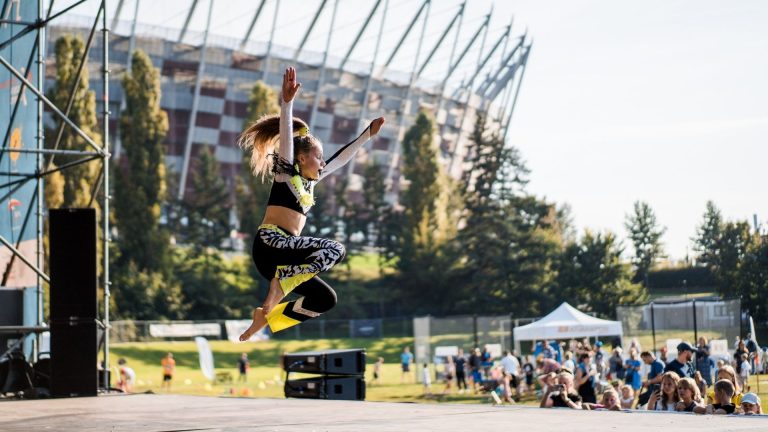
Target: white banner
point(236, 327)
point(206, 358)
point(185, 330)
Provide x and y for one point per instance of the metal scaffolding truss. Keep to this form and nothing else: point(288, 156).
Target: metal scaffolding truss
point(13, 181)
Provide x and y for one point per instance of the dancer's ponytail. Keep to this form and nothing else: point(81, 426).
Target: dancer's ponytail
point(261, 138)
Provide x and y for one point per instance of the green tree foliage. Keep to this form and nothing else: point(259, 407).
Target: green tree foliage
point(510, 240)
point(251, 192)
point(79, 180)
point(592, 276)
point(147, 295)
point(140, 175)
point(645, 235)
point(207, 206)
point(708, 236)
point(213, 286)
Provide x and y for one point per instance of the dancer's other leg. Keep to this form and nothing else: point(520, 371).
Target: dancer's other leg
point(260, 314)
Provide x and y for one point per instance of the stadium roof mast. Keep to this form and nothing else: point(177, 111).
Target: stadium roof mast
point(118, 148)
point(186, 21)
point(369, 79)
point(195, 101)
point(524, 64)
point(359, 34)
point(394, 148)
point(309, 30)
point(268, 56)
point(253, 24)
point(41, 170)
point(468, 87)
point(405, 34)
point(321, 78)
point(415, 76)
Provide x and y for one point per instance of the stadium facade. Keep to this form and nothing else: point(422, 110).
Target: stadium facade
point(206, 82)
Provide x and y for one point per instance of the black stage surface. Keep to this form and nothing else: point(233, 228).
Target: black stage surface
point(155, 413)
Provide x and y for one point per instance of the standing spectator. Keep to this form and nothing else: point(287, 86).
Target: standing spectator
point(448, 373)
point(632, 377)
point(426, 380)
point(616, 364)
point(406, 358)
point(600, 359)
point(243, 365)
point(127, 377)
point(750, 404)
point(682, 365)
point(528, 370)
point(377, 370)
point(752, 348)
point(474, 365)
point(585, 379)
point(654, 376)
point(736, 342)
point(743, 372)
point(461, 364)
point(548, 351)
point(634, 343)
point(169, 366)
point(511, 366)
point(663, 355)
point(569, 363)
point(704, 361)
point(689, 395)
point(486, 360)
point(627, 396)
point(666, 398)
point(741, 348)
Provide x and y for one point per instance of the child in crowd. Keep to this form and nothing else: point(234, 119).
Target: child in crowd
point(627, 396)
point(727, 373)
point(426, 379)
point(127, 377)
point(666, 398)
point(744, 369)
point(688, 392)
point(608, 401)
point(724, 391)
point(750, 404)
point(377, 370)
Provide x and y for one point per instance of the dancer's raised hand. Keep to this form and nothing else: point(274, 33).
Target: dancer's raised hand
point(290, 86)
point(376, 125)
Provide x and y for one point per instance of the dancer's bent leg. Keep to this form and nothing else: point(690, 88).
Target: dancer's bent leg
point(317, 297)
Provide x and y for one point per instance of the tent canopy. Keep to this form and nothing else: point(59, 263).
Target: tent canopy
point(567, 322)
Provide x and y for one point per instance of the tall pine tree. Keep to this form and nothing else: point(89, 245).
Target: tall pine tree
point(207, 207)
point(645, 235)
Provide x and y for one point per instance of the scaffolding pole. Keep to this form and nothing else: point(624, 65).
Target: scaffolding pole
point(321, 78)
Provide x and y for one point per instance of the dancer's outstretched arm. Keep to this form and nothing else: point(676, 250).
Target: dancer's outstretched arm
point(345, 154)
point(290, 88)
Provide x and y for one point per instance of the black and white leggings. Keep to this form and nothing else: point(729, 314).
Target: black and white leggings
point(296, 261)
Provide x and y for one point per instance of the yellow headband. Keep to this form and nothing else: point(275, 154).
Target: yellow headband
point(304, 131)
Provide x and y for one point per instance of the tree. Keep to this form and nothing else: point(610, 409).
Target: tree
point(708, 236)
point(645, 235)
point(592, 277)
point(79, 180)
point(251, 192)
point(140, 176)
point(207, 207)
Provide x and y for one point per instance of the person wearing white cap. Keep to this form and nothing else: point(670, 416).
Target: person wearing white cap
point(750, 404)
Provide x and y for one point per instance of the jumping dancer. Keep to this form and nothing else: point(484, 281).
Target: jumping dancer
point(291, 262)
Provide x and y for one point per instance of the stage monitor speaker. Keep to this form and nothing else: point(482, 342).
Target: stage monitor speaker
point(11, 314)
point(326, 387)
point(73, 358)
point(73, 264)
point(331, 362)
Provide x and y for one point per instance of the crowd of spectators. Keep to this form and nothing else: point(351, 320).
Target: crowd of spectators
point(580, 375)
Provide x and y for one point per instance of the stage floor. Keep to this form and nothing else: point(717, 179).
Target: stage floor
point(166, 413)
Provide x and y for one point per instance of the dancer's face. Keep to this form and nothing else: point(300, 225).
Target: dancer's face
point(312, 162)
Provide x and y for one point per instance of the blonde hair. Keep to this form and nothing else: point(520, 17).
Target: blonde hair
point(261, 138)
point(690, 384)
point(609, 392)
point(728, 369)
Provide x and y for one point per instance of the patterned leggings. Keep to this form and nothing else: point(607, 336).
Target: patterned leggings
point(296, 261)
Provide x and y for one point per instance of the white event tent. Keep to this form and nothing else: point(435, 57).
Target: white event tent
point(567, 322)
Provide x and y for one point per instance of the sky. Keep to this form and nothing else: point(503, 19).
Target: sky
point(660, 101)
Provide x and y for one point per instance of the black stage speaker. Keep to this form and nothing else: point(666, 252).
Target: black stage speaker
point(73, 302)
point(324, 387)
point(11, 314)
point(331, 362)
point(73, 264)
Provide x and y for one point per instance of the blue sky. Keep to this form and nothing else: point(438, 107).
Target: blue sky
point(660, 101)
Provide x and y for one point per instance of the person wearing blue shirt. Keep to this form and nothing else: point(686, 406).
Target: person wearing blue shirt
point(406, 358)
point(653, 382)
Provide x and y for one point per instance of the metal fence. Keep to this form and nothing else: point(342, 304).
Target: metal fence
point(140, 331)
point(655, 323)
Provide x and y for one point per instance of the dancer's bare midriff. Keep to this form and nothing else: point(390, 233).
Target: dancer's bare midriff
point(285, 218)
